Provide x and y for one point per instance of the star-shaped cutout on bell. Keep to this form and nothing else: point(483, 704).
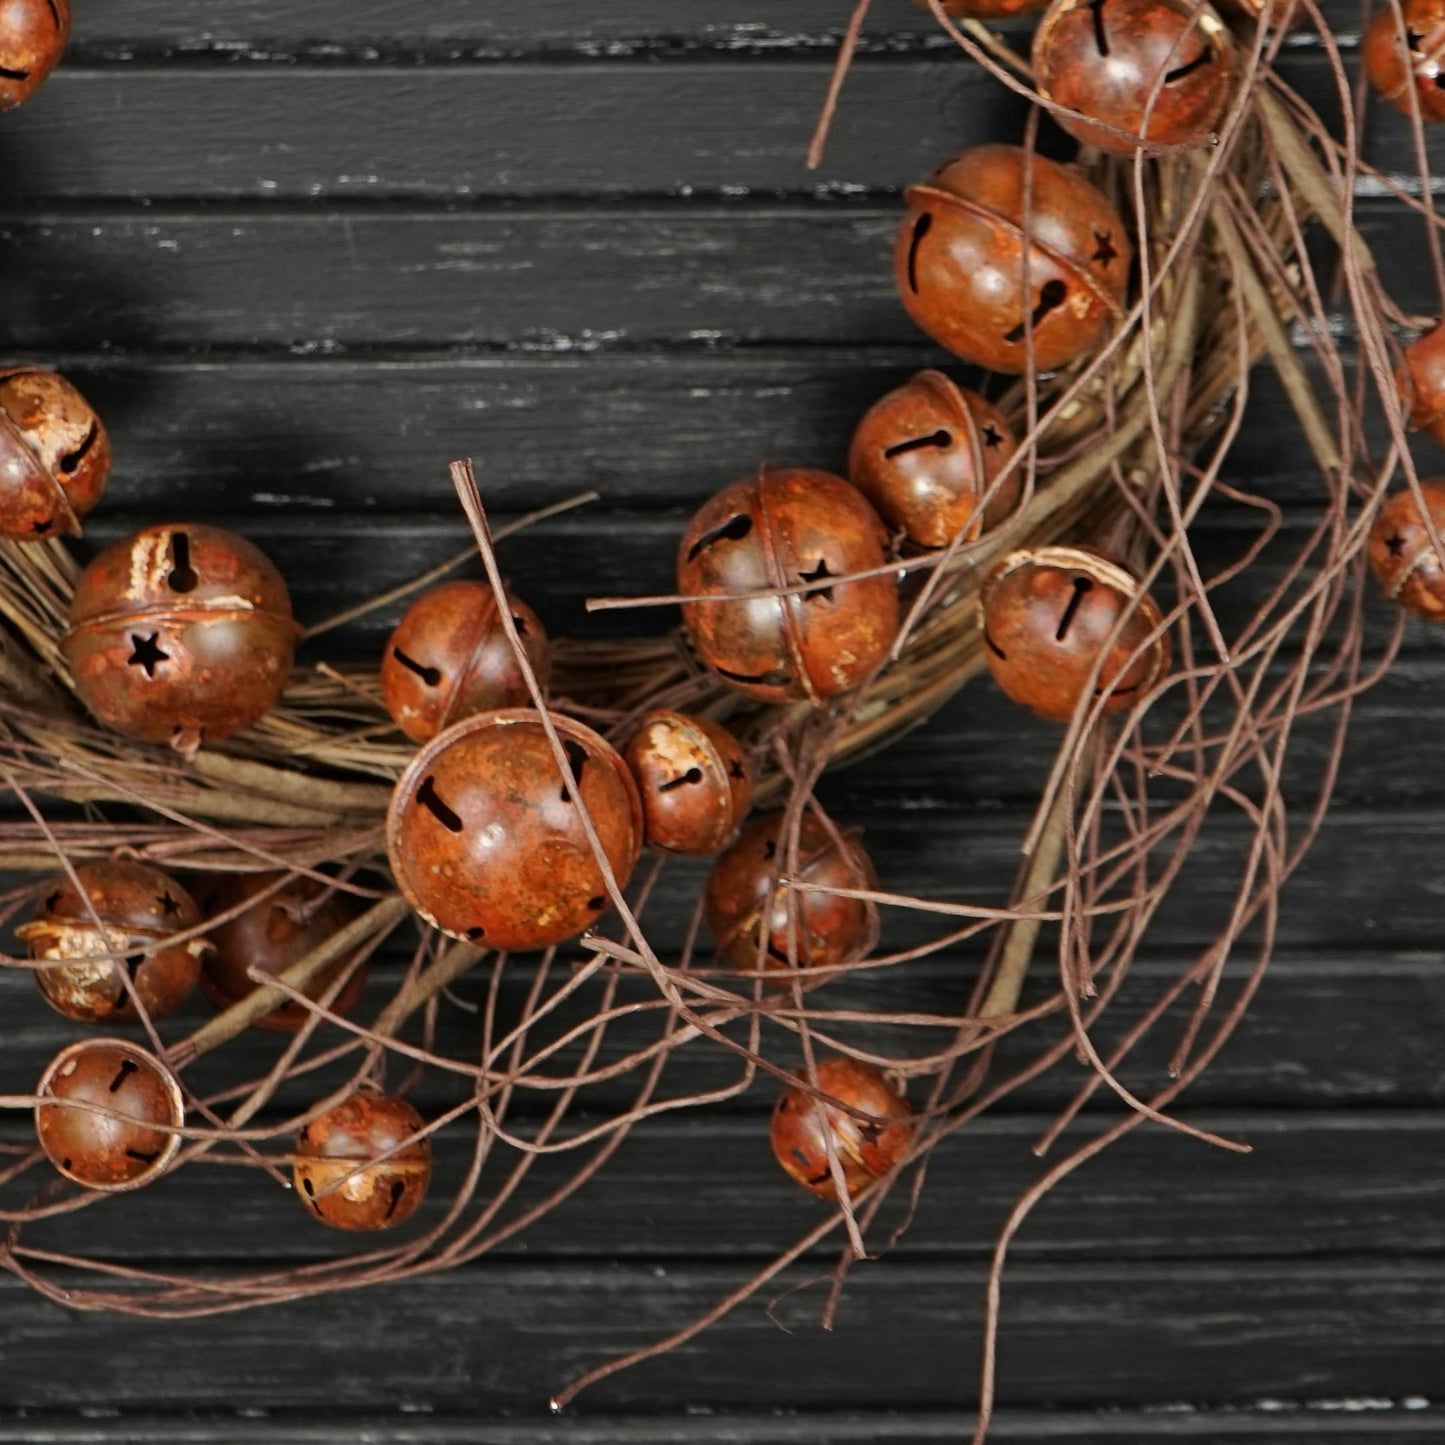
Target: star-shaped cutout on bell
point(1104, 251)
point(146, 652)
point(823, 594)
point(1395, 545)
point(992, 436)
point(736, 769)
point(169, 906)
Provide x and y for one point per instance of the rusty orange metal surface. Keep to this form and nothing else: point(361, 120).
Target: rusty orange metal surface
point(180, 633)
point(1047, 617)
point(334, 1178)
point(782, 528)
point(275, 932)
point(450, 658)
point(139, 908)
point(1161, 70)
point(867, 1149)
point(1420, 378)
point(959, 262)
point(33, 37)
point(54, 455)
point(754, 915)
point(694, 779)
point(1402, 554)
point(486, 840)
point(97, 1150)
point(926, 453)
point(1399, 62)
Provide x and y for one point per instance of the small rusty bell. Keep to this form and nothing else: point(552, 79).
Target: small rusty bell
point(866, 1148)
point(485, 838)
point(695, 782)
point(271, 934)
point(449, 658)
point(1408, 67)
point(1420, 378)
point(91, 1148)
point(783, 528)
point(354, 1167)
point(180, 633)
point(926, 454)
point(1402, 554)
point(1047, 616)
point(754, 915)
point(54, 454)
point(139, 909)
point(1160, 70)
point(33, 37)
point(960, 260)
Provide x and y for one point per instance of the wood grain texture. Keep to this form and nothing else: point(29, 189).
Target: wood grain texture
point(1317, 1184)
point(366, 29)
point(515, 131)
point(1345, 1422)
point(351, 443)
point(530, 279)
point(251, 31)
point(500, 1339)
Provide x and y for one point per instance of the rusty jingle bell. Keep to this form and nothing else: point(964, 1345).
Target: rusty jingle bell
point(1160, 70)
point(33, 36)
point(694, 780)
point(91, 1148)
point(180, 633)
point(353, 1167)
point(485, 838)
point(270, 935)
point(1420, 379)
point(1047, 616)
point(926, 453)
point(140, 909)
point(1404, 557)
point(54, 455)
point(784, 527)
point(867, 1149)
point(1408, 69)
point(959, 263)
point(754, 916)
point(449, 658)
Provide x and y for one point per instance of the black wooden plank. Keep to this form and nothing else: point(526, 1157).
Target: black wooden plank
point(597, 277)
point(504, 1338)
point(1345, 1422)
point(341, 437)
point(1317, 1185)
point(261, 30)
point(492, 130)
point(1312, 1040)
point(349, 445)
point(368, 30)
point(510, 130)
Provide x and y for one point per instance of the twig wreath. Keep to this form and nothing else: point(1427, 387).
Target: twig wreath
point(191, 808)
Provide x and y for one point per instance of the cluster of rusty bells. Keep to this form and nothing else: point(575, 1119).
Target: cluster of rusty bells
point(183, 633)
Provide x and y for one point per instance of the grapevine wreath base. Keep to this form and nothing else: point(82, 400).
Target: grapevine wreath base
point(1245, 249)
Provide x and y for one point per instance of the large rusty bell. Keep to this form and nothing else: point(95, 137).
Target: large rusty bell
point(485, 836)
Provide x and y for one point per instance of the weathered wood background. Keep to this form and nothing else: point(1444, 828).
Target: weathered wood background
point(301, 255)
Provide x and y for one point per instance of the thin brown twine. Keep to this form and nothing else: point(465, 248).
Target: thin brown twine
point(1140, 432)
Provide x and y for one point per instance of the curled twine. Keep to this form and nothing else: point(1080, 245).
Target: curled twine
point(1131, 444)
